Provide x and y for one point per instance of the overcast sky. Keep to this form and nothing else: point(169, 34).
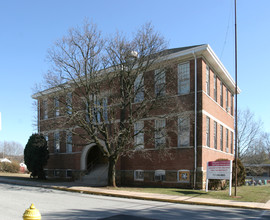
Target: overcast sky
point(30, 27)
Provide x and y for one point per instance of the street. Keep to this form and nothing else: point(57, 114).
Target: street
point(54, 204)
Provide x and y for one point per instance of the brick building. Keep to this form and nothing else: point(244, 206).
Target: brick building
point(201, 130)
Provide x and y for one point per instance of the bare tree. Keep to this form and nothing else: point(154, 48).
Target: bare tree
point(101, 85)
point(257, 154)
point(249, 132)
point(11, 149)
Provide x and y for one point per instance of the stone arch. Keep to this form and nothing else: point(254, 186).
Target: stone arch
point(85, 154)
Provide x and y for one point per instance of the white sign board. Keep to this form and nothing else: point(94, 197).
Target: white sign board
point(221, 170)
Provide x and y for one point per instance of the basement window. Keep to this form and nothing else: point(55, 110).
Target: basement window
point(139, 175)
point(160, 175)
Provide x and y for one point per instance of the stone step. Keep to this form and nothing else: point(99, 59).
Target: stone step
point(98, 176)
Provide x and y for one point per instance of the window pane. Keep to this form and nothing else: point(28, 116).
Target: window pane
point(183, 78)
point(139, 88)
point(183, 131)
point(207, 80)
point(69, 142)
point(160, 136)
point(139, 135)
point(160, 82)
point(56, 142)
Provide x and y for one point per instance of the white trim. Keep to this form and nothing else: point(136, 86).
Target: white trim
point(211, 148)
point(203, 50)
point(138, 179)
point(228, 112)
point(215, 119)
point(85, 151)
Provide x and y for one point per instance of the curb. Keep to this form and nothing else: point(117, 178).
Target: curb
point(61, 188)
point(155, 199)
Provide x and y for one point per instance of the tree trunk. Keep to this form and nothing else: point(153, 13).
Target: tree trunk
point(112, 172)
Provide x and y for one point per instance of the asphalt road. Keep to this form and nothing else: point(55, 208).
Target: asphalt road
point(54, 204)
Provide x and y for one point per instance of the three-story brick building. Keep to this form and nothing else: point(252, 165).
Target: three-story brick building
point(201, 130)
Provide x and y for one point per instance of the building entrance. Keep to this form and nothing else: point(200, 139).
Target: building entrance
point(95, 157)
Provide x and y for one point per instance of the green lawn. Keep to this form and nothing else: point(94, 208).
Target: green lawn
point(244, 193)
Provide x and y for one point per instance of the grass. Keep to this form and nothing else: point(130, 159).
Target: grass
point(244, 193)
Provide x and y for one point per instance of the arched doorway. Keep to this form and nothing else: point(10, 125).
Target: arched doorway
point(94, 158)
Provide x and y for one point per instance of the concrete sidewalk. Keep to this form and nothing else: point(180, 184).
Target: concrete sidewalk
point(75, 187)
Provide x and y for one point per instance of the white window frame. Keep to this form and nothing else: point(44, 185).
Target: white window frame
point(160, 175)
point(139, 175)
point(139, 88)
point(221, 94)
point(57, 142)
point(215, 87)
point(227, 140)
point(183, 131)
point(207, 131)
point(69, 103)
point(232, 142)
point(56, 107)
point(160, 133)
point(227, 100)
point(207, 80)
point(215, 134)
point(221, 137)
point(69, 142)
point(160, 82)
point(231, 104)
point(139, 135)
point(45, 109)
point(183, 78)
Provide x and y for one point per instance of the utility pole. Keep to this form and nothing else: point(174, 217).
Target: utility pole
point(236, 147)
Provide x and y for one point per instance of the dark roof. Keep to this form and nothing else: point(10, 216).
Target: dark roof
point(175, 50)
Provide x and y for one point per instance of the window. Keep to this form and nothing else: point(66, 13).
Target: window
point(183, 131)
point(138, 175)
point(227, 140)
point(231, 104)
point(101, 110)
point(227, 100)
point(215, 87)
point(45, 109)
point(56, 142)
point(231, 142)
point(221, 94)
point(160, 175)
point(160, 136)
point(183, 78)
point(215, 134)
point(160, 82)
point(207, 131)
point(105, 109)
point(221, 137)
point(96, 110)
point(139, 89)
point(56, 107)
point(56, 173)
point(207, 80)
point(68, 173)
point(183, 176)
point(139, 135)
point(69, 103)
point(69, 142)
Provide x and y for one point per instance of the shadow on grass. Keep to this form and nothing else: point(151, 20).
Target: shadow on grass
point(190, 192)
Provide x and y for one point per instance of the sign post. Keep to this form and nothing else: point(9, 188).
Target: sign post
point(221, 170)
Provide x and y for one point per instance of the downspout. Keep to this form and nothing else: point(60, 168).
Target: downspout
point(195, 121)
